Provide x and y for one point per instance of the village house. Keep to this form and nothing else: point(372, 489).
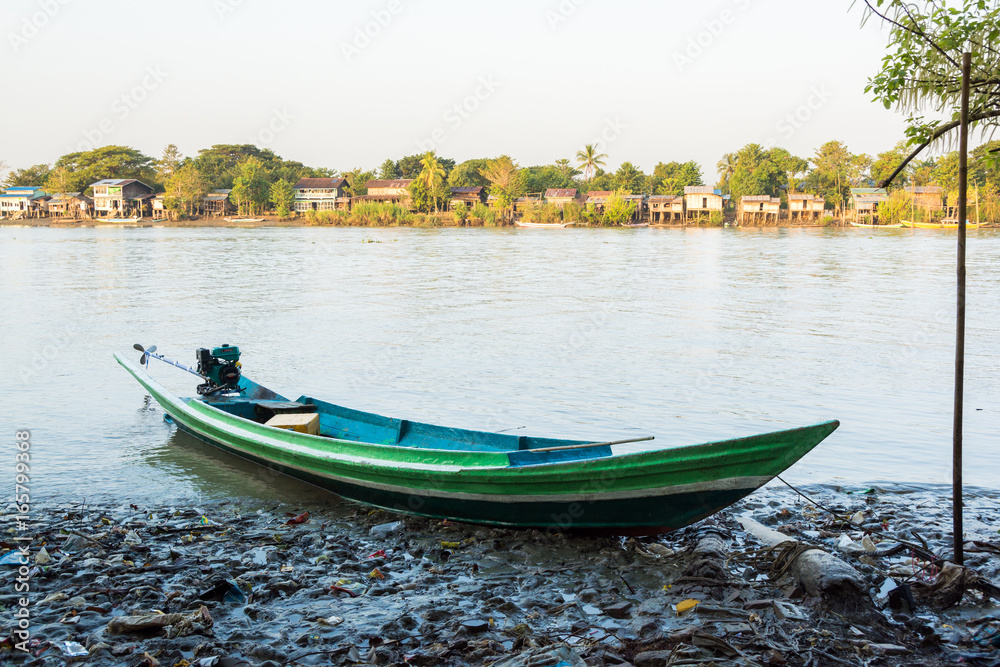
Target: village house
point(758, 209)
point(70, 204)
point(159, 205)
point(216, 203)
point(560, 196)
point(320, 194)
point(22, 201)
point(522, 204)
point(470, 196)
point(929, 197)
point(121, 197)
point(865, 201)
point(598, 198)
point(665, 208)
point(805, 207)
point(395, 191)
point(701, 200)
point(638, 202)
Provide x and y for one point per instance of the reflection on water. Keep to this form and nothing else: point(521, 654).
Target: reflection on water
point(689, 335)
point(215, 474)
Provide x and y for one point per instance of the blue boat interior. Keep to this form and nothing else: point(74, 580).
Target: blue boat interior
point(258, 404)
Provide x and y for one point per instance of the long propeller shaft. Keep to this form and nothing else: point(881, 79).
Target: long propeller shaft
point(147, 353)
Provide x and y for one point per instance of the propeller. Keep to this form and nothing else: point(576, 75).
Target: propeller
point(144, 360)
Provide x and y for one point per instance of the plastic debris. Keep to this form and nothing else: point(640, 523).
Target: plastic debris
point(376, 574)
point(684, 606)
point(74, 650)
point(386, 528)
point(378, 554)
point(858, 518)
point(330, 620)
point(226, 590)
point(351, 588)
point(43, 557)
point(11, 558)
point(296, 520)
point(175, 625)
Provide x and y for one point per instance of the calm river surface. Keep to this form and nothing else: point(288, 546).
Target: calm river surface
point(688, 335)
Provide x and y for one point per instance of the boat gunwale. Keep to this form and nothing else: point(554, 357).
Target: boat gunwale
point(682, 460)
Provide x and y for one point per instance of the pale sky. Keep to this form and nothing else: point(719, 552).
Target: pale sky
point(651, 80)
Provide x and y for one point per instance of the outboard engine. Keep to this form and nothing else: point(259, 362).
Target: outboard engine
point(220, 367)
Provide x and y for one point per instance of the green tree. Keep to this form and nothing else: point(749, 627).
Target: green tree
point(357, 178)
point(34, 175)
point(726, 166)
point(984, 163)
point(421, 197)
point(60, 180)
point(433, 177)
point(833, 166)
point(469, 174)
point(543, 177)
point(629, 179)
point(250, 188)
point(186, 188)
point(506, 184)
point(566, 169)
point(282, 196)
point(670, 178)
point(388, 171)
point(886, 163)
point(791, 165)
point(617, 209)
point(946, 171)
point(756, 173)
point(88, 167)
point(922, 69)
point(221, 164)
point(169, 163)
point(589, 160)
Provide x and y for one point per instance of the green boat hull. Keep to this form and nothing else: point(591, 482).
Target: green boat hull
point(644, 492)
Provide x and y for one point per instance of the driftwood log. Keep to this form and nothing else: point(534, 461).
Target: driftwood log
point(820, 573)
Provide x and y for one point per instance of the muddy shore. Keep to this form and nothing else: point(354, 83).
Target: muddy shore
point(236, 583)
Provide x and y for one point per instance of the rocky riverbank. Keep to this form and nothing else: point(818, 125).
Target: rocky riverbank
point(233, 584)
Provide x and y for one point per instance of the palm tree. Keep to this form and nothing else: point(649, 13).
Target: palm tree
point(431, 175)
point(726, 167)
point(590, 159)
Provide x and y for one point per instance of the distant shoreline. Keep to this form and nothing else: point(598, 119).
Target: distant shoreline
point(302, 222)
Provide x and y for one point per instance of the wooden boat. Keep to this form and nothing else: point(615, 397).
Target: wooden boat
point(946, 223)
point(483, 477)
point(862, 224)
point(244, 219)
point(120, 219)
point(636, 224)
point(521, 223)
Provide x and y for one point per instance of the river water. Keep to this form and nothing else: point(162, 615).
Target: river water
point(689, 335)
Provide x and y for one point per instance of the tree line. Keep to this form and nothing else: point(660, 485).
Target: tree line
point(260, 180)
